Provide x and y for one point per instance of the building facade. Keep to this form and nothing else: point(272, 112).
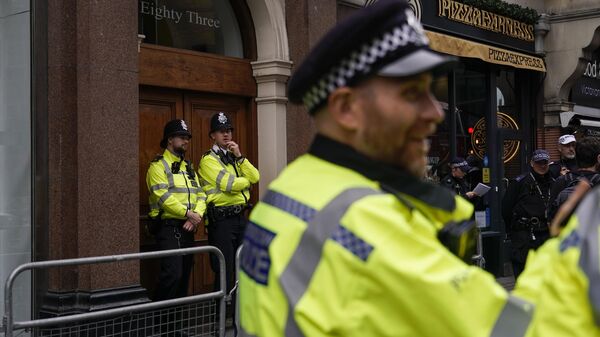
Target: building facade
point(87, 87)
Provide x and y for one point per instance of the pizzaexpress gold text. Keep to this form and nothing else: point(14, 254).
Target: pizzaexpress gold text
point(479, 18)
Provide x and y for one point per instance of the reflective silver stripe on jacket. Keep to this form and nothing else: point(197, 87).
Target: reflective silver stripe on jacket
point(229, 183)
point(158, 187)
point(212, 191)
point(588, 215)
point(216, 156)
point(168, 172)
point(298, 273)
point(514, 318)
point(220, 176)
point(163, 198)
point(191, 190)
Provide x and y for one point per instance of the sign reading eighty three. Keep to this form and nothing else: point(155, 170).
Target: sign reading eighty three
point(164, 13)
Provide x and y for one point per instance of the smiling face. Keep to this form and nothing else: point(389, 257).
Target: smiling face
point(398, 115)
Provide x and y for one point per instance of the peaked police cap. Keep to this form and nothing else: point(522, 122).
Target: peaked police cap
point(175, 127)
point(384, 39)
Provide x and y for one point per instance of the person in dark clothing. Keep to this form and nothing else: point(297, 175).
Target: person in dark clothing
point(473, 178)
point(588, 154)
point(567, 162)
point(524, 209)
point(457, 180)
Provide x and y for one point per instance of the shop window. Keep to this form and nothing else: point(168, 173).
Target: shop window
point(508, 118)
point(208, 26)
point(15, 151)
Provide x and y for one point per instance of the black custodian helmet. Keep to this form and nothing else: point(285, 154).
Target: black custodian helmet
point(176, 127)
point(220, 121)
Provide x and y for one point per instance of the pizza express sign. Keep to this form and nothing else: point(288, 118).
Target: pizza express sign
point(457, 18)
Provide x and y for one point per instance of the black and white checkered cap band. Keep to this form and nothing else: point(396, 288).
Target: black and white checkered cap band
point(360, 62)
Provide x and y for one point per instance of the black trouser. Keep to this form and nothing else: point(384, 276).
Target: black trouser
point(175, 271)
point(226, 234)
point(521, 242)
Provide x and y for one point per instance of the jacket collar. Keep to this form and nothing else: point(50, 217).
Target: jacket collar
point(392, 179)
point(170, 156)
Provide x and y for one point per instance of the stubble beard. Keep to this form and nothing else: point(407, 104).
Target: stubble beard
point(180, 150)
point(382, 142)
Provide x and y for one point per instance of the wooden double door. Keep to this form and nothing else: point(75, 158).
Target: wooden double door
point(158, 106)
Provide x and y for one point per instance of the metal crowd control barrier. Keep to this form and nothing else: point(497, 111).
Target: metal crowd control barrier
point(478, 258)
point(237, 289)
point(9, 325)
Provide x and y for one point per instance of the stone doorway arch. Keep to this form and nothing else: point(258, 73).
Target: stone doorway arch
point(271, 71)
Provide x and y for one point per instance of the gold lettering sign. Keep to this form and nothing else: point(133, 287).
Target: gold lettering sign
point(479, 18)
point(461, 47)
point(479, 139)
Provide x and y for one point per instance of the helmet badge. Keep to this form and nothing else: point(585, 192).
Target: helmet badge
point(222, 118)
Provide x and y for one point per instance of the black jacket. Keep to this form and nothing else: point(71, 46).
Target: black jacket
point(555, 166)
point(458, 186)
point(523, 199)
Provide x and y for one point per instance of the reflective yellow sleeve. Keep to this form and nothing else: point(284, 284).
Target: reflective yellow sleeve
point(248, 171)
point(216, 175)
point(159, 196)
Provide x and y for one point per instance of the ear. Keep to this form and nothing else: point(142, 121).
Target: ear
point(344, 106)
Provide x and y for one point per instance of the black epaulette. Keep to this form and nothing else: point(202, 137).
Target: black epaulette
point(206, 153)
point(157, 158)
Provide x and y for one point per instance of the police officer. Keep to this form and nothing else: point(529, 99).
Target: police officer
point(525, 209)
point(567, 162)
point(177, 203)
point(562, 277)
point(226, 177)
point(456, 179)
point(348, 241)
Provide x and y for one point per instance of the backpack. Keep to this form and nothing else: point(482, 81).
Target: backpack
point(567, 191)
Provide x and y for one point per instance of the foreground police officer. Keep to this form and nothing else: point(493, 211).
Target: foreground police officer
point(348, 241)
point(563, 277)
point(525, 209)
point(226, 177)
point(177, 203)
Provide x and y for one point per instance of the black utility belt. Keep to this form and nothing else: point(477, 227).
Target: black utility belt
point(223, 212)
point(173, 222)
point(533, 223)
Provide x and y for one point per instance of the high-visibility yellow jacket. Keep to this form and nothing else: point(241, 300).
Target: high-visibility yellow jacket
point(226, 184)
point(563, 277)
point(174, 193)
point(332, 251)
